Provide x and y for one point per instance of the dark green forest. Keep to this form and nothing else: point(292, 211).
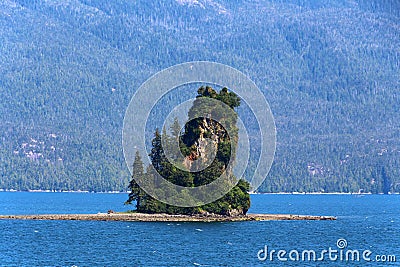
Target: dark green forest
point(329, 70)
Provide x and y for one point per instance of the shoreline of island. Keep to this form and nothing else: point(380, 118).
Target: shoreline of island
point(161, 217)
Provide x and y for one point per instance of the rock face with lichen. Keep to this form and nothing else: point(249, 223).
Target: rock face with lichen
point(210, 142)
point(211, 134)
point(204, 150)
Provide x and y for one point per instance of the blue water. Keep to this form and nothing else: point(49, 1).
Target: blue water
point(371, 222)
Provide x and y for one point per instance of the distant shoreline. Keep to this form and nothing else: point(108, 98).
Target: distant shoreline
point(143, 217)
point(251, 193)
point(62, 191)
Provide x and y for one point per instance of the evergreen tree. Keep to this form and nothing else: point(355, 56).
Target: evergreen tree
point(157, 153)
point(136, 194)
point(175, 129)
point(387, 183)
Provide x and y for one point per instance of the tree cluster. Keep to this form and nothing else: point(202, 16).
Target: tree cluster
point(237, 200)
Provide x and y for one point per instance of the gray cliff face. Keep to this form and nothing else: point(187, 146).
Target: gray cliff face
point(204, 150)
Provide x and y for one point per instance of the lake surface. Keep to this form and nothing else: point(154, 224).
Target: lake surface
point(367, 223)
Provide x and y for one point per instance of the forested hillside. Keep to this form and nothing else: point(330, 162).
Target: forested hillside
point(329, 69)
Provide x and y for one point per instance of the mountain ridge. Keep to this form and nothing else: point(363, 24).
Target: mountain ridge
point(329, 72)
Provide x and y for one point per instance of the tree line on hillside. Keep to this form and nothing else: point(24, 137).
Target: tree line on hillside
point(71, 70)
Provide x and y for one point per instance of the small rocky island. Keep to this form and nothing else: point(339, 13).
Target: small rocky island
point(199, 135)
point(217, 132)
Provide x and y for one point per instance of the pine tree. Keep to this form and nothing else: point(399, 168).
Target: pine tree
point(387, 183)
point(157, 153)
point(136, 193)
point(175, 128)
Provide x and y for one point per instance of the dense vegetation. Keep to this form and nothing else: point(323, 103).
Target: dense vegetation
point(330, 70)
point(236, 201)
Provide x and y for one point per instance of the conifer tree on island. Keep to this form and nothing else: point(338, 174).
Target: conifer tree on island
point(136, 194)
point(236, 201)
